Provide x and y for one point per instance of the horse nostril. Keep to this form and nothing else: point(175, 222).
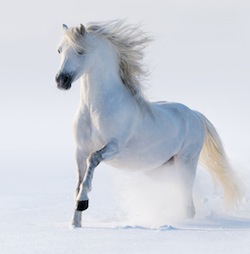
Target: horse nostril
point(65, 78)
point(62, 78)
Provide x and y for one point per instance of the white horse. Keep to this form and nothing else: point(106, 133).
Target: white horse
point(116, 124)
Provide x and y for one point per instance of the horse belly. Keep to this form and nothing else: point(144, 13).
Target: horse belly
point(145, 155)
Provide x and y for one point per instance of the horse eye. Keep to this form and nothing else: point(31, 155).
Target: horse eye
point(59, 51)
point(80, 53)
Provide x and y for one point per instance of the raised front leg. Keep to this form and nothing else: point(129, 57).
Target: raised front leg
point(108, 152)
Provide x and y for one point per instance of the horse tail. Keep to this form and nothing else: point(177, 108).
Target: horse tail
point(214, 158)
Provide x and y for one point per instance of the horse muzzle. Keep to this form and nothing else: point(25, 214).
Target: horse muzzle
point(63, 81)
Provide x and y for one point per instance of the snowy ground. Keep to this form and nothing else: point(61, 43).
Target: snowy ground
point(36, 208)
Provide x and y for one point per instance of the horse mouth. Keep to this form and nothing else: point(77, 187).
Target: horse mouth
point(64, 86)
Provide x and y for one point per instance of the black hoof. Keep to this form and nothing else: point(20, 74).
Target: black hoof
point(82, 205)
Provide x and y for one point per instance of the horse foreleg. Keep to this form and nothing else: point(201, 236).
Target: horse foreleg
point(81, 159)
point(108, 152)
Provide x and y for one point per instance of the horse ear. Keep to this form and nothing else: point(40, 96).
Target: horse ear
point(82, 29)
point(65, 27)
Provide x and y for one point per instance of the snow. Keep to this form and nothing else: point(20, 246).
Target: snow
point(35, 217)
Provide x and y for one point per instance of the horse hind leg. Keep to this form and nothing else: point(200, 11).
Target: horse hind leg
point(186, 169)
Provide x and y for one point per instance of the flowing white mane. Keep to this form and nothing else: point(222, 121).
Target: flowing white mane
point(129, 42)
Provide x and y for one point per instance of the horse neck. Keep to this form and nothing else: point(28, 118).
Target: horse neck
point(103, 79)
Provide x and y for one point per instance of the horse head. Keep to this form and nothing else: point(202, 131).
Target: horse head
point(73, 56)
